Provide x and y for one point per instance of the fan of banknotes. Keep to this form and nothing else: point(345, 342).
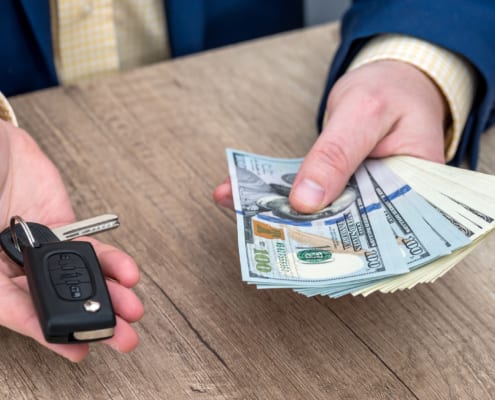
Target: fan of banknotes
point(400, 221)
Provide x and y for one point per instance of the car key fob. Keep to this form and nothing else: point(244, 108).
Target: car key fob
point(67, 287)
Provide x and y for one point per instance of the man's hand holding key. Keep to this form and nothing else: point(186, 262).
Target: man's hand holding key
point(31, 186)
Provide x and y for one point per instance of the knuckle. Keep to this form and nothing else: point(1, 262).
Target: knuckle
point(371, 104)
point(367, 101)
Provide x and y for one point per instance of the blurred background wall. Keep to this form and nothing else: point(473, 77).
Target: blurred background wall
point(321, 11)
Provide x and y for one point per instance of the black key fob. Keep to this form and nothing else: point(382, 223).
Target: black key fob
point(69, 292)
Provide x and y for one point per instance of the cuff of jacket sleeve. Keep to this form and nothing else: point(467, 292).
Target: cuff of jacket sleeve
point(6, 111)
point(453, 75)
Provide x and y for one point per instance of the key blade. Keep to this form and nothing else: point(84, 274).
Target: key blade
point(87, 227)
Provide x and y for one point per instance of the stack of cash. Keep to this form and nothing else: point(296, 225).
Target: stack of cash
point(400, 221)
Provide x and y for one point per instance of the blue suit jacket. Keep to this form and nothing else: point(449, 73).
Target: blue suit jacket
point(26, 58)
point(463, 26)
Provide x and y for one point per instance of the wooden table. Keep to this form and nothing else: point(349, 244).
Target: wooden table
point(149, 145)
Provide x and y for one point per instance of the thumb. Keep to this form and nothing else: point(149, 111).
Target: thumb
point(353, 129)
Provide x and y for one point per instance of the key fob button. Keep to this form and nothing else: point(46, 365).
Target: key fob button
point(66, 276)
point(70, 276)
point(66, 261)
point(74, 291)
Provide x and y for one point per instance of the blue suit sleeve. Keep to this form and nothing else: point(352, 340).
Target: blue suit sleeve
point(466, 27)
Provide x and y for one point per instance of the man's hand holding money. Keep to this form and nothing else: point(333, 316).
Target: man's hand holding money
point(380, 109)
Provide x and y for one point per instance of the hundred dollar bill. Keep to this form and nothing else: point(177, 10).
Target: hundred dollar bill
point(457, 181)
point(466, 202)
point(423, 233)
point(426, 231)
point(400, 221)
point(348, 241)
point(460, 196)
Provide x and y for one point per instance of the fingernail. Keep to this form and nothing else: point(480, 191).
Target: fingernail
point(309, 193)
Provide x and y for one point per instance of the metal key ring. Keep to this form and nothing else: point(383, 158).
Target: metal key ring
point(25, 228)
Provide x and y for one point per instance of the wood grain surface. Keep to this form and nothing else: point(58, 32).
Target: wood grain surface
point(149, 145)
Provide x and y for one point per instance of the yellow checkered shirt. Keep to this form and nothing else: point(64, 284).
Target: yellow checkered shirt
point(92, 37)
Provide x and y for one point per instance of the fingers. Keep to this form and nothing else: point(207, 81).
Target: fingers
point(223, 194)
point(18, 314)
point(355, 125)
point(21, 317)
point(125, 302)
point(125, 338)
point(115, 263)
